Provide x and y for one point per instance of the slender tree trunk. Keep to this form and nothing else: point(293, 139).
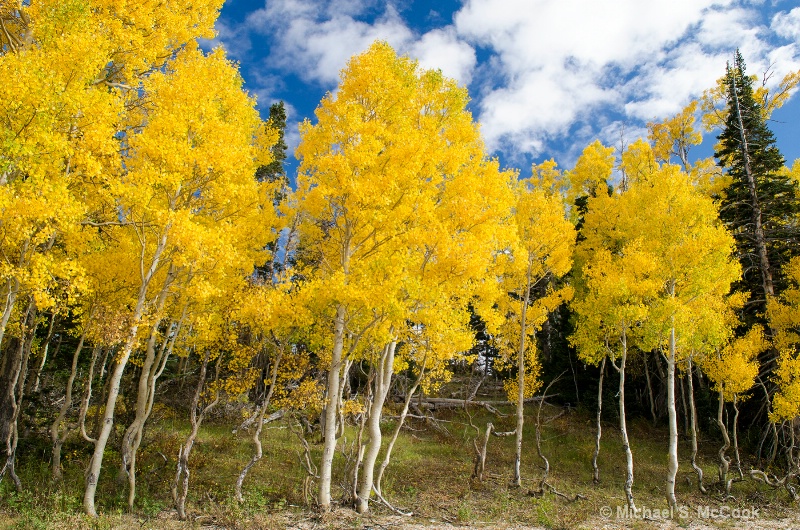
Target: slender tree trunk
point(521, 378)
point(693, 417)
point(649, 389)
point(180, 486)
point(736, 437)
point(331, 412)
point(623, 427)
point(672, 457)
point(761, 240)
point(257, 434)
point(56, 437)
point(397, 428)
point(146, 388)
point(96, 462)
point(35, 382)
point(359, 442)
point(684, 408)
point(87, 395)
point(596, 474)
point(724, 461)
point(480, 461)
point(13, 371)
point(383, 381)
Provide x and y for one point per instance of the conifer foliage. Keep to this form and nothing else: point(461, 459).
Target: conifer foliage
point(758, 204)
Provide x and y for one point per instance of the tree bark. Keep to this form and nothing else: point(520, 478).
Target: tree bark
point(257, 434)
point(595, 468)
point(396, 433)
point(180, 486)
point(761, 241)
point(96, 462)
point(331, 412)
point(521, 378)
point(56, 436)
point(693, 418)
point(650, 389)
point(724, 461)
point(148, 376)
point(383, 381)
point(13, 366)
point(623, 427)
point(672, 455)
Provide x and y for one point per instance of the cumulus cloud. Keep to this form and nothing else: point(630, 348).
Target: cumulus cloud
point(787, 25)
point(549, 69)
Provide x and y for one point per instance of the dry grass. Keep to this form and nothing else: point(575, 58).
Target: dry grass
point(429, 475)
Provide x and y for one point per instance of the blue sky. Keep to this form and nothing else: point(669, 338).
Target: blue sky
point(546, 77)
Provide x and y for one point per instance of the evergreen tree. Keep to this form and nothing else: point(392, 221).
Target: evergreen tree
point(759, 203)
point(275, 170)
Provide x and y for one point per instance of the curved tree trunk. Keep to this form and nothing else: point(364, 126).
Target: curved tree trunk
point(96, 462)
point(13, 372)
point(736, 436)
point(382, 383)
point(693, 418)
point(56, 436)
point(396, 433)
point(87, 395)
point(623, 427)
point(595, 468)
point(259, 426)
point(724, 461)
point(180, 486)
point(152, 367)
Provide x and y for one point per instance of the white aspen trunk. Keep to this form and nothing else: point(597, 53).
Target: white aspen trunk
point(13, 373)
point(595, 468)
point(257, 434)
point(87, 396)
point(724, 461)
point(55, 429)
point(693, 418)
point(96, 462)
point(47, 340)
point(331, 413)
point(383, 381)
point(623, 427)
point(521, 379)
point(672, 457)
point(396, 433)
point(650, 388)
point(8, 306)
point(144, 396)
point(736, 436)
point(180, 486)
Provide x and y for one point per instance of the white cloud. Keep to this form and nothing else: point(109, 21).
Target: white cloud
point(315, 40)
point(563, 63)
point(554, 68)
point(787, 25)
point(441, 49)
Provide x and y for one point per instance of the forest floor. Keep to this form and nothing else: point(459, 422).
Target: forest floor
point(430, 476)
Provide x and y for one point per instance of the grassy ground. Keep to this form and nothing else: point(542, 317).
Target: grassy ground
point(429, 476)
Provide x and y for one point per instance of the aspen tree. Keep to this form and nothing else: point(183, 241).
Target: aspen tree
point(383, 150)
point(680, 228)
point(541, 244)
point(189, 196)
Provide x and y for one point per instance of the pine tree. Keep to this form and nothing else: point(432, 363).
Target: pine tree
point(758, 203)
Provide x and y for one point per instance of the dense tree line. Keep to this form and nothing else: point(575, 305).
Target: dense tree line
point(149, 234)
